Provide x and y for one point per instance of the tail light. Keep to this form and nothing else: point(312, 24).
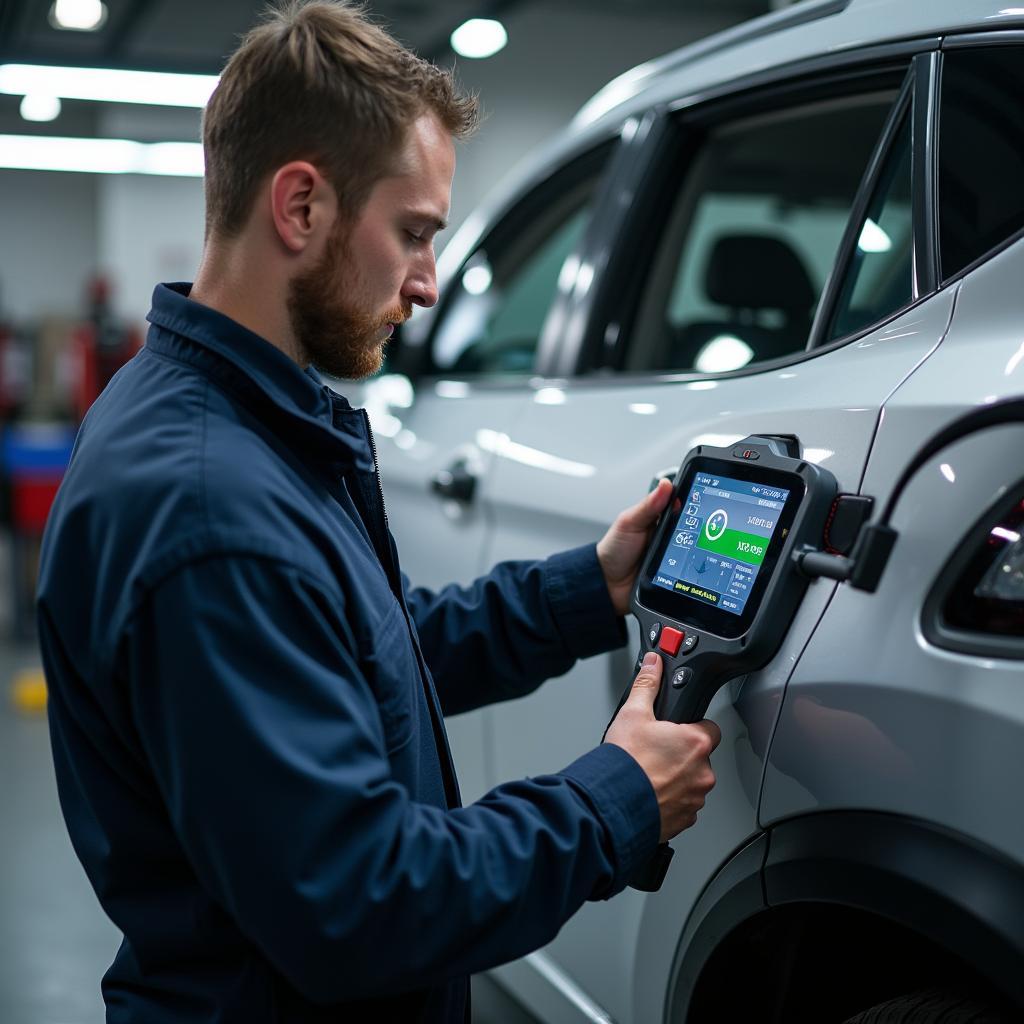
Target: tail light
point(977, 605)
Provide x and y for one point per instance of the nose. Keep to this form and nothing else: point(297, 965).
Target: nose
point(420, 285)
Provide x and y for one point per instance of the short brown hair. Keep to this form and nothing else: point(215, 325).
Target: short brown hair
point(318, 81)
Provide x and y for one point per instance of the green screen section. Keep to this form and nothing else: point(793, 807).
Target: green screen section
point(744, 547)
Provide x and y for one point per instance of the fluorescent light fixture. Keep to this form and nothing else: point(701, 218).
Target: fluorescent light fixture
point(476, 280)
point(947, 471)
point(78, 15)
point(479, 37)
point(643, 408)
point(873, 238)
point(101, 156)
point(723, 353)
point(108, 85)
point(37, 106)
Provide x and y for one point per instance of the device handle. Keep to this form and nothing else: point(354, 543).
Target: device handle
point(651, 876)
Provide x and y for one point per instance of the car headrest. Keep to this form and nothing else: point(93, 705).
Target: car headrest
point(758, 272)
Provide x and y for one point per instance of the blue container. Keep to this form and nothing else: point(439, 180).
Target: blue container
point(37, 449)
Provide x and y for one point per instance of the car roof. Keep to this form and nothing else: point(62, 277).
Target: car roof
point(809, 29)
point(814, 28)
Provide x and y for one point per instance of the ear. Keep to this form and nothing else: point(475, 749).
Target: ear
point(303, 204)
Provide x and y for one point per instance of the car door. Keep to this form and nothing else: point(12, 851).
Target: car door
point(930, 728)
point(439, 426)
point(764, 281)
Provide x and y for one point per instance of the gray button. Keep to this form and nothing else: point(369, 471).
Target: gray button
point(689, 643)
point(681, 677)
point(653, 633)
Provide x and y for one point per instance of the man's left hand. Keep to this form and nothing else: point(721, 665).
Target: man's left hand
point(620, 550)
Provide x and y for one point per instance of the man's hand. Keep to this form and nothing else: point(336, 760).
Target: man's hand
point(619, 551)
point(676, 758)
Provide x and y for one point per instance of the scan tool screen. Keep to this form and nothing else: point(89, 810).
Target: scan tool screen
point(720, 540)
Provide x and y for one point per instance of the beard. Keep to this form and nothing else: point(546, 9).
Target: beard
point(333, 333)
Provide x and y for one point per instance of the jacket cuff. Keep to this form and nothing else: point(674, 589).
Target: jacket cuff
point(581, 604)
point(623, 799)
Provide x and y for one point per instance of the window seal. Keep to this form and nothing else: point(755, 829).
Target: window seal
point(1001, 37)
point(924, 163)
point(887, 138)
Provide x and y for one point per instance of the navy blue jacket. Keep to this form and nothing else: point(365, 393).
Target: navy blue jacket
point(246, 701)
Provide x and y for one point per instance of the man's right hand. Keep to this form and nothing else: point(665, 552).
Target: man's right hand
point(676, 758)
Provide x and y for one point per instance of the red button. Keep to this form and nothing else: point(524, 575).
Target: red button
point(670, 641)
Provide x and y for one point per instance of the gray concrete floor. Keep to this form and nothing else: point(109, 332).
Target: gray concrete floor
point(55, 942)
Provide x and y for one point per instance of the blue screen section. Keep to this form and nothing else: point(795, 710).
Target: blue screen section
point(719, 540)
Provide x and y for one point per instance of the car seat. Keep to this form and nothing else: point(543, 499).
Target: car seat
point(748, 275)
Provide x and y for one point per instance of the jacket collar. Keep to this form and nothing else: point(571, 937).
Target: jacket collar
point(294, 402)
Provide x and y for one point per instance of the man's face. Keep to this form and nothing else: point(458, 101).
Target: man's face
point(373, 269)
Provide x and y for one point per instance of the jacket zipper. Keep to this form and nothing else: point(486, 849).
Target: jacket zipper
point(451, 786)
point(385, 545)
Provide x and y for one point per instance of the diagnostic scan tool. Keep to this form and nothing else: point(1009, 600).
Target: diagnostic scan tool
point(719, 586)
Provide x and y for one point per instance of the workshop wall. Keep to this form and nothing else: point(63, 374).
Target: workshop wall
point(59, 229)
point(48, 231)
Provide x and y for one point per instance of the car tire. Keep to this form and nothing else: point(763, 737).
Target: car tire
point(933, 1006)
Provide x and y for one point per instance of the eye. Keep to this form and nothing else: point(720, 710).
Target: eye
point(413, 237)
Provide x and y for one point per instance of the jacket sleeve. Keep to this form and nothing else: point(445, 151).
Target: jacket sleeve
point(267, 746)
point(522, 623)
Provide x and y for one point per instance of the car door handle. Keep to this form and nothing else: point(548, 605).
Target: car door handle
point(456, 482)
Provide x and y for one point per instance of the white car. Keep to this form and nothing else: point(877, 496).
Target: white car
point(810, 225)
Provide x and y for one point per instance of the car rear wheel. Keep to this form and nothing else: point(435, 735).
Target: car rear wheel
point(933, 1006)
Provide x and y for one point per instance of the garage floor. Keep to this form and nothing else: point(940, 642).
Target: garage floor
point(55, 943)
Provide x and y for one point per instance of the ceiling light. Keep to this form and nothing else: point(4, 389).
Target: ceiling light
point(37, 106)
point(107, 85)
point(78, 15)
point(101, 156)
point(479, 37)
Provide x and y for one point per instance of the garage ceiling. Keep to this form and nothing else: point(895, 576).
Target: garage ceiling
point(197, 35)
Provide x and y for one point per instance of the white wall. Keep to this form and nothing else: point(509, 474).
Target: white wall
point(57, 228)
point(150, 230)
point(48, 223)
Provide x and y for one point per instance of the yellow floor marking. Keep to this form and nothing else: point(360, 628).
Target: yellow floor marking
point(28, 691)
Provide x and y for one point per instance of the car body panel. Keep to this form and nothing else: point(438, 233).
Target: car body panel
point(421, 432)
point(963, 770)
point(768, 45)
point(834, 722)
point(547, 494)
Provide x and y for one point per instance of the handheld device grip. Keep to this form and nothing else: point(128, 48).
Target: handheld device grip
point(719, 587)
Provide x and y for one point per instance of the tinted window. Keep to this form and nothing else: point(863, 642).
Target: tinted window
point(981, 152)
point(753, 236)
point(879, 279)
point(501, 297)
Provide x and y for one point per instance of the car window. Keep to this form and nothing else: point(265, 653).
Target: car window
point(753, 235)
point(981, 152)
point(492, 321)
point(879, 279)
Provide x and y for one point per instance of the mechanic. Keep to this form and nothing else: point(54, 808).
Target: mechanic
point(246, 695)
